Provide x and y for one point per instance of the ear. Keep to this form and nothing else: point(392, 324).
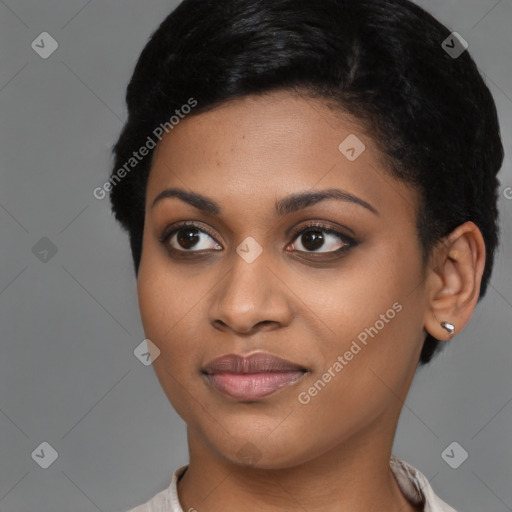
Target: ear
point(454, 281)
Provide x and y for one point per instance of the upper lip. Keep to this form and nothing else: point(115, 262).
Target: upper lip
point(258, 362)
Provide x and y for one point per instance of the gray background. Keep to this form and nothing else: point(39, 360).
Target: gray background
point(69, 326)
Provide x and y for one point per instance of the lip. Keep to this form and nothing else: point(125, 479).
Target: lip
point(257, 362)
point(253, 376)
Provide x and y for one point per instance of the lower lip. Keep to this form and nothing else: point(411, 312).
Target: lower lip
point(252, 386)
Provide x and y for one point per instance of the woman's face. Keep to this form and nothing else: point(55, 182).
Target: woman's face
point(345, 301)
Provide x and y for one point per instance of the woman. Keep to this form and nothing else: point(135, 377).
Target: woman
point(310, 193)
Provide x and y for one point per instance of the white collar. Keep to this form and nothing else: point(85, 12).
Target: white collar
point(415, 487)
point(413, 484)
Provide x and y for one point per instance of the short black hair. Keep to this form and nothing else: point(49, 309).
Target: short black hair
point(382, 61)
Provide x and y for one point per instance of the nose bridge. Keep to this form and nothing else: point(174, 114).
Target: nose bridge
point(247, 284)
point(250, 293)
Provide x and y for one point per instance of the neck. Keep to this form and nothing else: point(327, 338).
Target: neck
point(355, 476)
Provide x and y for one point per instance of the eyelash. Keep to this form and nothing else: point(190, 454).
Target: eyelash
point(348, 241)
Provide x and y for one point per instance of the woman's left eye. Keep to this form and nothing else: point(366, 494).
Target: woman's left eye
point(312, 238)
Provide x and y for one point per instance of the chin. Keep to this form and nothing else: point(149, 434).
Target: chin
point(259, 450)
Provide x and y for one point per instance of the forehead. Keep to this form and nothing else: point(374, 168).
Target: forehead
point(260, 148)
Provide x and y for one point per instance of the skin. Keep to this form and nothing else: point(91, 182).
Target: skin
point(333, 453)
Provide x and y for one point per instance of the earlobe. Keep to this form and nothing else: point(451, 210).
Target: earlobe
point(454, 284)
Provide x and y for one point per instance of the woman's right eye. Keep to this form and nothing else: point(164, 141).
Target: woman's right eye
point(190, 238)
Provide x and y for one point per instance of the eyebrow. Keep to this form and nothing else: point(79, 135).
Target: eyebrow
point(285, 206)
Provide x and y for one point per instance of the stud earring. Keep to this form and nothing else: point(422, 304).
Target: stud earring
point(449, 327)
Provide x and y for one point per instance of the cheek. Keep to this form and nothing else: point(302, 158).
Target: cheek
point(160, 291)
point(163, 306)
point(172, 309)
point(167, 318)
point(161, 300)
point(367, 285)
point(374, 312)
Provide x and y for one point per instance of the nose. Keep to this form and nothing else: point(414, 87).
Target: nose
point(249, 298)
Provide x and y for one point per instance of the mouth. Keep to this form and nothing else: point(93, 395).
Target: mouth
point(252, 377)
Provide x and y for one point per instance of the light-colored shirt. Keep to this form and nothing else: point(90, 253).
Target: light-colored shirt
point(413, 484)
